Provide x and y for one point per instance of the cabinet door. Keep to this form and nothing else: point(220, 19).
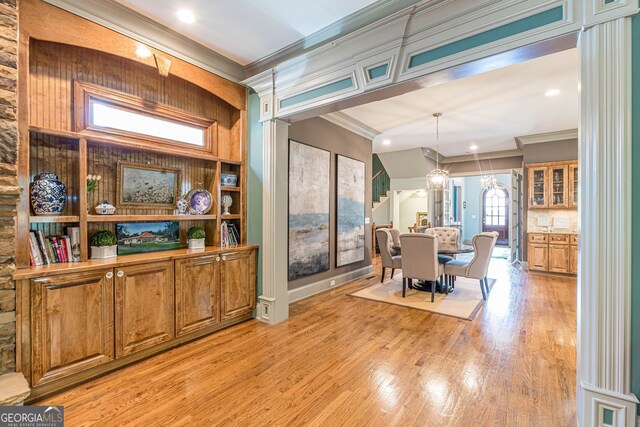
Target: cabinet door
point(573, 259)
point(559, 258)
point(538, 179)
point(144, 306)
point(573, 186)
point(197, 293)
point(558, 186)
point(538, 257)
point(237, 279)
point(72, 324)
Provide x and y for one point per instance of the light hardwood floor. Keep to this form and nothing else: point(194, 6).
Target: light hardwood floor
point(341, 360)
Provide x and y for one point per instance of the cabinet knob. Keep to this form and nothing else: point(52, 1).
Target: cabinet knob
point(120, 273)
point(217, 258)
point(109, 275)
point(224, 258)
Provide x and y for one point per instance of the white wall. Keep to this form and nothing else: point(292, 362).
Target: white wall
point(411, 204)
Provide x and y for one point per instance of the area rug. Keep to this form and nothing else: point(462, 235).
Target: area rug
point(464, 302)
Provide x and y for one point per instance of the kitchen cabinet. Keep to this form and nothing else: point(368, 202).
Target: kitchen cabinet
point(553, 252)
point(553, 185)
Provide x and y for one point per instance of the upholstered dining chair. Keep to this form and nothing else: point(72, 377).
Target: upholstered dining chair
point(395, 236)
point(419, 260)
point(387, 253)
point(477, 268)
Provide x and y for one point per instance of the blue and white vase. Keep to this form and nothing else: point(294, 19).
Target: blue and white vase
point(48, 195)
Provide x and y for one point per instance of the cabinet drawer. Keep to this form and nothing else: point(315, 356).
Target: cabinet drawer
point(538, 238)
point(559, 239)
point(574, 239)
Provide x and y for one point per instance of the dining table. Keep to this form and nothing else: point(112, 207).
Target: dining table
point(448, 249)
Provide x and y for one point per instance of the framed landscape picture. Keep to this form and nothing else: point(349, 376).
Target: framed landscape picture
point(350, 193)
point(143, 186)
point(137, 237)
point(309, 182)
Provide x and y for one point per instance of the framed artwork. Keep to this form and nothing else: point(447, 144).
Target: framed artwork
point(309, 182)
point(350, 193)
point(200, 201)
point(137, 237)
point(143, 186)
point(422, 219)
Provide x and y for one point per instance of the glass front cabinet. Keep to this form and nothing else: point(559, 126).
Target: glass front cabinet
point(553, 185)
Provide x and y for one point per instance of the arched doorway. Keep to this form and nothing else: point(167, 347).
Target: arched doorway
point(495, 213)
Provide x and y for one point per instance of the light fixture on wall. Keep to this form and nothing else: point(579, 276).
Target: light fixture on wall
point(437, 179)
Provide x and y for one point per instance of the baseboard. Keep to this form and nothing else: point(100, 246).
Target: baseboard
point(325, 284)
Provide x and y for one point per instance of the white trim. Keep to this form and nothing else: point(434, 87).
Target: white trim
point(325, 284)
point(349, 123)
point(123, 20)
point(604, 276)
point(548, 136)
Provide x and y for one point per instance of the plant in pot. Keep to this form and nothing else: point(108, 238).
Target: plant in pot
point(104, 244)
point(195, 237)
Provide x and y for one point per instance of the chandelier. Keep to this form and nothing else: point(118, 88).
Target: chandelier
point(437, 179)
point(488, 182)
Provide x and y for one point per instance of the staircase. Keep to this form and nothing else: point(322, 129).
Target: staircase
point(380, 183)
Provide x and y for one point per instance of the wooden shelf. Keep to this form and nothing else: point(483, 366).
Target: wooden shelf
point(225, 188)
point(121, 260)
point(129, 218)
point(44, 219)
point(230, 216)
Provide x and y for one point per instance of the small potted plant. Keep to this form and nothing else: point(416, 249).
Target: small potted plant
point(104, 244)
point(195, 237)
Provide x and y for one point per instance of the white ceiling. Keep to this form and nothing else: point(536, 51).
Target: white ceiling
point(248, 30)
point(488, 109)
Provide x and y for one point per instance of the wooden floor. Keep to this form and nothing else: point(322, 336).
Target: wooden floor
point(341, 360)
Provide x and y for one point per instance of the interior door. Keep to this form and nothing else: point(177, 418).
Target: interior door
point(516, 215)
point(495, 213)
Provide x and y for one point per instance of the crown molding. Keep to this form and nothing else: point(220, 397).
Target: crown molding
point(349, 123)
point(357, 20)
point(547, 137)
point(483, 156)
point(123, 20)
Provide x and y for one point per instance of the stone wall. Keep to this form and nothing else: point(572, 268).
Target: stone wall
point(9, 191)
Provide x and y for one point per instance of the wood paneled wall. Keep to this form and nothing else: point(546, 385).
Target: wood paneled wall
point(54, 67)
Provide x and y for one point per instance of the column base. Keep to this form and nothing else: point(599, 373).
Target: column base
point(266, 309)
point(602, 407)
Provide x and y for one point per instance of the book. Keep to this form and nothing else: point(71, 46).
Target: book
point(63, 248)
point(51, 247)
point(36, 254)
point(43, 247)
point(67, 245)
point(74, 234)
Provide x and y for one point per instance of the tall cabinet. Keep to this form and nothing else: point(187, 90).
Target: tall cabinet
point(553, 185)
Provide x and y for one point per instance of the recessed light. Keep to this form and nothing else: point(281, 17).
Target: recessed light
point(386, 142)
point(552, 92)
point(186, 16)
point(473, 147)
point(142, 51)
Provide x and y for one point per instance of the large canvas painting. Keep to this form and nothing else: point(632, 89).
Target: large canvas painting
point(309, 182)
point(350, 207)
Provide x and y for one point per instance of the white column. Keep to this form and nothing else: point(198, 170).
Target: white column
point(273, 305)
point(604, 279)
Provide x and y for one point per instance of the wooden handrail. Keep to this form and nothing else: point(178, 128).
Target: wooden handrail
point(378, 173)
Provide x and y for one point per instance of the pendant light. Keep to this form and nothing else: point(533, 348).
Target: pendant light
point(437, 179)
point(488, 182)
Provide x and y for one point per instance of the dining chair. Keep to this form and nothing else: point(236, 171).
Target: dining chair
point(477, 268)
point(395, 236)
point(387, 253)
point(419, 260)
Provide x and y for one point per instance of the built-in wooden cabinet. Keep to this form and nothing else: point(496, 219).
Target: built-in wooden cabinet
point(117, 311)
point(553, 252)
point(238, 284)
point(72, 323)
point(143, 306)
point(553, 185)
point(573, 185)
point(197, 293)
